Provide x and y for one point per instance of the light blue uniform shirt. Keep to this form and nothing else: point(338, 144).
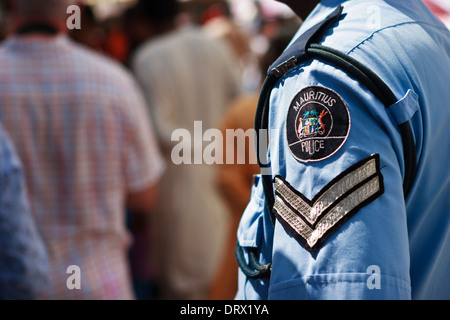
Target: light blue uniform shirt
point(389, 248)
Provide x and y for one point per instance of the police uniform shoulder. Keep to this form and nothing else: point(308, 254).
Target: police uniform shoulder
point(361, 20)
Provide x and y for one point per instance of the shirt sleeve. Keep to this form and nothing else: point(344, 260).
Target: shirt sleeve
point(341, 228)
point(23, 257)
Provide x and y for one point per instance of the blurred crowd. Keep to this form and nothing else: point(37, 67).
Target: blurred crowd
point(89, 115)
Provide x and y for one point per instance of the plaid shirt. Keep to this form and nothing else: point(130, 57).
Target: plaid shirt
point(80, 127)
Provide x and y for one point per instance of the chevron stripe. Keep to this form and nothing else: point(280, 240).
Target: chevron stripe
point(312, 221)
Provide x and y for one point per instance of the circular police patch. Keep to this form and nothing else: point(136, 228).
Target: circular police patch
point(317, 125)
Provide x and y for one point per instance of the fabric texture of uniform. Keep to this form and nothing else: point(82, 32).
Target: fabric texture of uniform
point(23, 258)
point(79, 124)
point(391, 248)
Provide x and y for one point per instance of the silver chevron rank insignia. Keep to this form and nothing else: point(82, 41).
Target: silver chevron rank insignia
point(312, 221)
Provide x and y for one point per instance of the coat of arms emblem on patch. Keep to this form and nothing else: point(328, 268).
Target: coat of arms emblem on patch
point(312, 124)
point(318, 124)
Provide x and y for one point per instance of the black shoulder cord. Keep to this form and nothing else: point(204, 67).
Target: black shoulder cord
point(354, 69)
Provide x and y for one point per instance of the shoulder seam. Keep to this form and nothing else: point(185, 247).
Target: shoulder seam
point(389, 27)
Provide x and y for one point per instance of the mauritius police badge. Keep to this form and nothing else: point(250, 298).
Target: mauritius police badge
point(318, 124)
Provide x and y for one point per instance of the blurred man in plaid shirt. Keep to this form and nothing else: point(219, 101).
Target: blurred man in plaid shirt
point(79, 124)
